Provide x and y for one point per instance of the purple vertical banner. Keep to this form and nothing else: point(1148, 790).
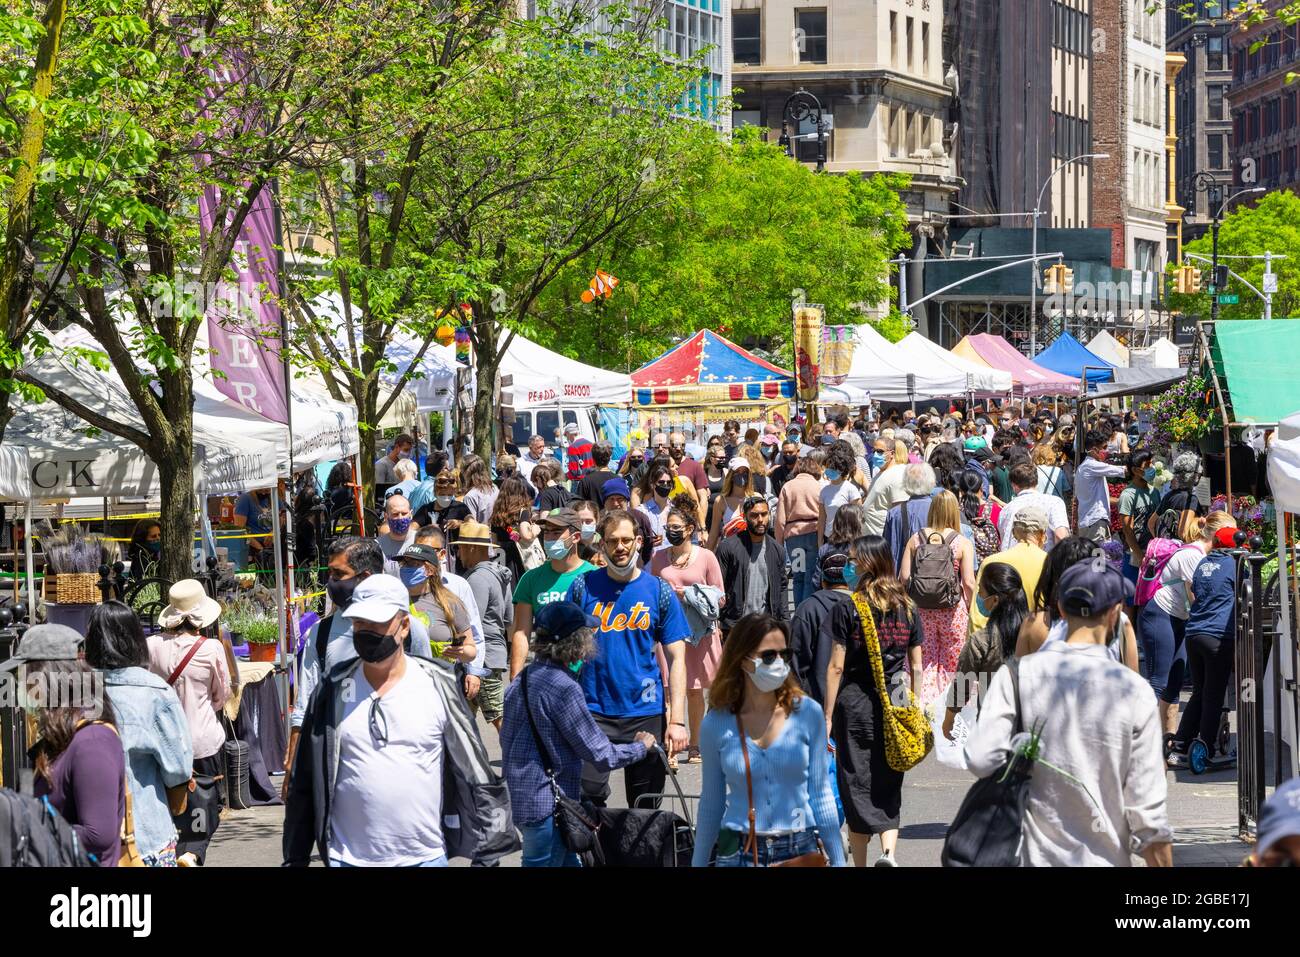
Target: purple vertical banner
point(244, 321)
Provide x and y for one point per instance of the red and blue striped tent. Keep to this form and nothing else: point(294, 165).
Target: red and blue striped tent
point(708, 370)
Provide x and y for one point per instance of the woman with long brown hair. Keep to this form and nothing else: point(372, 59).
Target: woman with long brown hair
point(871, 791)
point(511, 523)
point(766, 796)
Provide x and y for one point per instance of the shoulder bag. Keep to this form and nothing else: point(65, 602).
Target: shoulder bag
point(575, 822)
point(178, 796)
point(988, 828)
point(908, 735)
point(815, 858)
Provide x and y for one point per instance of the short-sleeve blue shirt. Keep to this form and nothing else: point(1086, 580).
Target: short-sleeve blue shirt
point(1214, 587)
point(623, 680)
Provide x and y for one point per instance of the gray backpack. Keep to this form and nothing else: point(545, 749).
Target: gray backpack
point(934, 582)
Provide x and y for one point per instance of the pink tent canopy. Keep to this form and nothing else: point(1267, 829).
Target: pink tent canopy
point(1030, 378)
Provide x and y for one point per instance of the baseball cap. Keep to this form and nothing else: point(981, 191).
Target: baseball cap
point(1226, 537)
point(45, 643)
point(1279, 817)
point(563, 518)
point(571, 428)
point(379, 598)
point(739, 462)
point(1031, 518)
point(1087, 592)
point(769, 439)
point(616, 486)
point(832, 567)
point(560, 619)
point(422, 553)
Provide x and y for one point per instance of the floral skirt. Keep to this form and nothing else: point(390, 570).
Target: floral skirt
point(166, 857)
point(945, 634)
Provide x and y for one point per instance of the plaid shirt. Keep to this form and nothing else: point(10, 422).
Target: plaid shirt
point(570, 734)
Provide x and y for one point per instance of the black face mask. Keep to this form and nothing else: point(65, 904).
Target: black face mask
point(373, 647)
point(340, 592)
point(675, 536)
point(664, 488)
point(790, 458)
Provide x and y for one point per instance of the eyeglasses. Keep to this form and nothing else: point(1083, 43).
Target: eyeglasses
point(678, 448)
point(378, 723)
point(769, 657)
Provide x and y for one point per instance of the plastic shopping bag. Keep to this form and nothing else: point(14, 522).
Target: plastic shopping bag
point(952, 754)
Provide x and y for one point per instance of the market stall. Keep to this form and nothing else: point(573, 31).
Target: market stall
point(1069, 357)
point(981, 379)
point(1105, 346)
point(1161, 354)
point(881, 370)
point(1030, 379)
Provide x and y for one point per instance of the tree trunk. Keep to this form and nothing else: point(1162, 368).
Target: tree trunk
point(176, 478)
point(485, 401)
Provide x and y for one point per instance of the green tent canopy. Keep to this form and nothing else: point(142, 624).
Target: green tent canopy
point(1258, 365)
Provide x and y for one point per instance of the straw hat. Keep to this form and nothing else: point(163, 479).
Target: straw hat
point(188, 599)
point(474, 533)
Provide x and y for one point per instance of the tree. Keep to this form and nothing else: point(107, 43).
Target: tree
point(1272, 225)
point(751, 233)
point(219, 98)
point(564, 140)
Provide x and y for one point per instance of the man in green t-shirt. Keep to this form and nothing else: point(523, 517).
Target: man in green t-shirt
point(561, 533)
point(1136, 504)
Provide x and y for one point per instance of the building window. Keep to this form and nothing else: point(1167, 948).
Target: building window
point(893, 38)
point(1146, 255)
point(806, 145)
point(812, 35)
point(925, 49)
point(1214, 102)
point(747, 37)
point(895, 116)
point(1214, 53)
point(1215, 144)
point(911, 22)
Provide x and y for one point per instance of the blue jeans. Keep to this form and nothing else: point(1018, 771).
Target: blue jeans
point(439, 861)
point(543, 846)
point(772, 849)
point(1164, 658)
point(801, 550)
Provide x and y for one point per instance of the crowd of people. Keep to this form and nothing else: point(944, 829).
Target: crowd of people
point(787, 586)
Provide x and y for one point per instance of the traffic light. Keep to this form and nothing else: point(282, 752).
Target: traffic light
point(1220, 278)
point(1194, 279)
point(1058, 279)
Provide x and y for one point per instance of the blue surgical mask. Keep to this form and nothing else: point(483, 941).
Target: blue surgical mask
point(983, 608)
point(413, 575)
point(851, 575)
point(1149, 475)
point(833, 475)
point(558, 549)
point(877, 459)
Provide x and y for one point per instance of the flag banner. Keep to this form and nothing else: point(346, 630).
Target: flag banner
point(807, 350)
point(837, 353)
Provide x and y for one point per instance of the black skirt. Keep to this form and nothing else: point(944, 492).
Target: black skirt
point(871, 791)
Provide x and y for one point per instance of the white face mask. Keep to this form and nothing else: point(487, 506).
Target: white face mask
point(442, 500)
point(769, 677)
point(621, 573)
point(588, 531)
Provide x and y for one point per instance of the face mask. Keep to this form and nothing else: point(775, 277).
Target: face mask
point(635, 462)
point(983, 608)
point(769, 677)
point(413, 575)
point(851, 576)
point(877, 459)
point(558, 549)
point(1101, 455)
point(442, 500)
point(576, 667)
point(399, 525)
point(663, 488)
point(833, 475)
point(588, 531)
point(340, 592)
point(675, 536)
point(621, 573)
point(1149, 475)
point(373, 647)
point(740, 481)
point(789, 458)
point(769, 451)
point(154, 547)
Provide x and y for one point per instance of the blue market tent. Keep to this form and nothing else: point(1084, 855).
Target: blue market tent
point(1068, 356)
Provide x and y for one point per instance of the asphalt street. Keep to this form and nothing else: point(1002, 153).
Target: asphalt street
point(1203, 811)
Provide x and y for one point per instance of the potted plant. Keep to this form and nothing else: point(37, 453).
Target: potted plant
point(72, 561)
point(263, 636)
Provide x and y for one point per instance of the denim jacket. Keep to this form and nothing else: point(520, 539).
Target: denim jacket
point(156, 739)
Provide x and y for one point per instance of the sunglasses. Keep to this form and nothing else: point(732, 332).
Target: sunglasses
point(769, 657)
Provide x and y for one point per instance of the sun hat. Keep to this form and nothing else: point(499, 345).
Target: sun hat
point(188, 599)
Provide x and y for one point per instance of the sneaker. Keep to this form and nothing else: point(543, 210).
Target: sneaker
point(1176, 759)
point(1169, 743)
point(886, 860)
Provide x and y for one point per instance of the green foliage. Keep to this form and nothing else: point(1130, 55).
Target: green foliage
point(748, 234)
point(1273, 224)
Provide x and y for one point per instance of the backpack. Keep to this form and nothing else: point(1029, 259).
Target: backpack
point(985, 534)
point(1158, 553)
point(934, 582)
point(33, 834)
point(1167, 523)
point(1140, 519)
point(578, 591)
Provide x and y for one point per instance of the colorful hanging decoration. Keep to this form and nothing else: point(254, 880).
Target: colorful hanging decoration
point(601, 286)
point(462, 344)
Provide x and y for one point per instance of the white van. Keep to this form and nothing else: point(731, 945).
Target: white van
point(546, 423)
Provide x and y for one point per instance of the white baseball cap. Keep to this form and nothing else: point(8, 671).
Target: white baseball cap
point(379, 599)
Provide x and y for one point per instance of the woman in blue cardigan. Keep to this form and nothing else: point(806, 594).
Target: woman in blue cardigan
point(763, 736)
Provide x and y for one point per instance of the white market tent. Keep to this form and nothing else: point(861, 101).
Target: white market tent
point(15, 473)
point(980, 378)
point(1105, 346)
point(880, 370)
point(1284, 482)
point(1162, 354)
point(547, 380)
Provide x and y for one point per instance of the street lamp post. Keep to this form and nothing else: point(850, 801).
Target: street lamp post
point(798, 107)
point(1213, 189)
point(1038, 211)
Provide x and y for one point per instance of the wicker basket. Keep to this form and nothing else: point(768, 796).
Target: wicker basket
point(74, 588)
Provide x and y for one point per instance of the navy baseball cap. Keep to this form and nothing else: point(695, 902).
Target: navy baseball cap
point(616, 486)
point(1088, 591)
point(1279, 817)
point(560, 619)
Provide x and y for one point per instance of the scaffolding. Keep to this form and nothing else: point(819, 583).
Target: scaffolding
point(1009, 318)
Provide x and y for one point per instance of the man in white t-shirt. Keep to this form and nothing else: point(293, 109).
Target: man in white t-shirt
point(380, 739)
point(1024, 482)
